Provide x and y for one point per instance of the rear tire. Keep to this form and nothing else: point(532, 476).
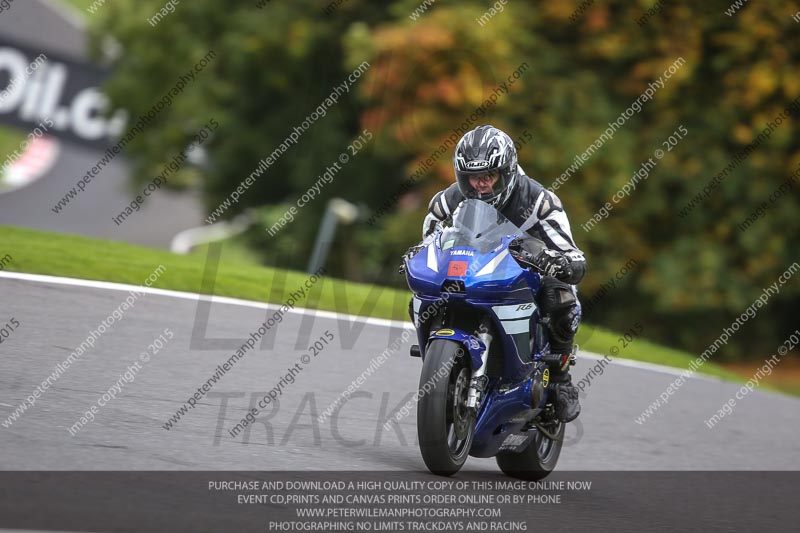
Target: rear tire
point(537, 460)
point(445, 426)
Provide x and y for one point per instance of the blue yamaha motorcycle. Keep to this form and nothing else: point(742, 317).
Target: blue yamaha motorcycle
point(484, 385)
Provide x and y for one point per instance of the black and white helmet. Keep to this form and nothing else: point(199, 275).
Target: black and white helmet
point(481, 151)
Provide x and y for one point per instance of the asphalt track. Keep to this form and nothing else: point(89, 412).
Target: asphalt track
point(128, 433)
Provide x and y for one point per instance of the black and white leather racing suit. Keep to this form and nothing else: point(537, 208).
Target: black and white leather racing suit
point(557, 298)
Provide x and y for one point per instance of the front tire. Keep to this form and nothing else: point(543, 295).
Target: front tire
point(537, 460)
point(445, 426)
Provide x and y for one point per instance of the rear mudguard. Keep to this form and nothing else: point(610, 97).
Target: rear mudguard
point(472, 344)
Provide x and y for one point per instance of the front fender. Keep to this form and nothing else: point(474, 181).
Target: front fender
point(473, 345)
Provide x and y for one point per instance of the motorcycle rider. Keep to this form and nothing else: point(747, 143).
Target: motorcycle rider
point(486, 167)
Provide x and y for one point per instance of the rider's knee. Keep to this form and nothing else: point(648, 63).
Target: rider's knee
point(565, 325)
point(559, 303)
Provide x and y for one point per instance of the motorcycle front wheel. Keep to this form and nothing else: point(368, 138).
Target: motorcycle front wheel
point(445, 426)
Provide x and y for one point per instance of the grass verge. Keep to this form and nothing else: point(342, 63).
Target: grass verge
point(80, 5)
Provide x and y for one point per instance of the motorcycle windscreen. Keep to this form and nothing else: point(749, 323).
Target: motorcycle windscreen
point(477, 225)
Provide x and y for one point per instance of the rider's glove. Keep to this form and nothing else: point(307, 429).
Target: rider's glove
point(411, 252)
point(553, 263)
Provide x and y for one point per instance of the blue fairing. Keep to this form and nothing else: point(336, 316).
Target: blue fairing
point(495, 275)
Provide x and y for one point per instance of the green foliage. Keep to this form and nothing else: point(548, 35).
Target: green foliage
point(273, 67)
point(427, 76)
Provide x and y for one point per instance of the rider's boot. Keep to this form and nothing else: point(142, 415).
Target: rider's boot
point(567, 405)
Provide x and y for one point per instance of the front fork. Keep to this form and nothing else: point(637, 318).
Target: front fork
point(479, 379)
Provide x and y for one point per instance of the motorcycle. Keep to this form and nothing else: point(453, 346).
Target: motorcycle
point(484, 386)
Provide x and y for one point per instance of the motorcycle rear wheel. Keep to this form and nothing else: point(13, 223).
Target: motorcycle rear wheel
point(537, 460)
point(445, 426)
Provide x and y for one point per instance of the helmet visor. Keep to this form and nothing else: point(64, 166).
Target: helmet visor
point(486, 185)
